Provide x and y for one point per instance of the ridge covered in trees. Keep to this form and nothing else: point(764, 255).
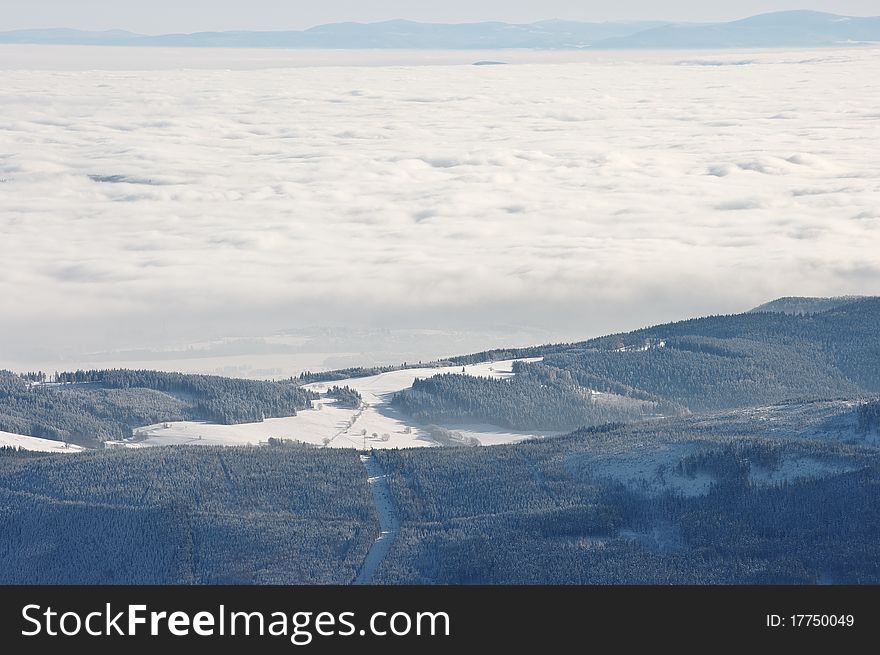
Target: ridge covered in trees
point(100, 405)
point(697, 365)
point(178, 515)
point(518, 403)
point(663, 502)
point(869, 417)
point(704, 499)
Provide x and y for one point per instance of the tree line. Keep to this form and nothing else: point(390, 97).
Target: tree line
point(99, 405)
point(706, 364)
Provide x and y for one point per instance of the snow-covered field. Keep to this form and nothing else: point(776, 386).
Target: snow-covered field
point(35, 443)
point(649, 469)
point(375, 425)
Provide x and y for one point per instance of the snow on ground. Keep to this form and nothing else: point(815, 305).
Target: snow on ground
point(662, 537)
point(35, 443)
point(374, 425)
point(377, 386)
point(492, 435)
point(389, 522)
point(825, 419)
point(792, 469)
point(648, 469)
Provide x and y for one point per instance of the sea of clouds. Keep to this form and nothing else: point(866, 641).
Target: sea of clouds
point(159, 206)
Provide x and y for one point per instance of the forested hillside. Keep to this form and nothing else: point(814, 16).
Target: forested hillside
point(519, 403)
point(692, 366)
point(661, 503)
point(94, 406)
point(702, 373)
point(869, 417)
point(781, 494)
point(280, 515)
point(801, 305)
point(727, 449)
point(798, 349)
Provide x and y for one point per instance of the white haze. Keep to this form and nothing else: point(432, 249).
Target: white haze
point(161, 207)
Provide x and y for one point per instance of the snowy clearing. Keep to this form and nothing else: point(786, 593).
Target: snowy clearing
point(792, 469)
point(374, 425)
point(35, 443)
point(648, 469)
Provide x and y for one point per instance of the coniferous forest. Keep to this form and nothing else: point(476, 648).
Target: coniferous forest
point(690, 504)
point(90, 407)
point(724, 450)
point(698, 365)
point(185, 515)
point(572, 510)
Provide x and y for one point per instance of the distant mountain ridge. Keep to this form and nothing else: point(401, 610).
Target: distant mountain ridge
point(784, 29)
point(387, 34)
point(802, 305)
point(778, 29)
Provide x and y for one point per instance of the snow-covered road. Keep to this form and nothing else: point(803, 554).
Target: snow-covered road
point(389, 523)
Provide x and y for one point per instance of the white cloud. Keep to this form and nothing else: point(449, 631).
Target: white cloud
point(171, 204)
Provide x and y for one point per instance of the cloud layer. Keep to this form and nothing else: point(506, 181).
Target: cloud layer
point(617, 191)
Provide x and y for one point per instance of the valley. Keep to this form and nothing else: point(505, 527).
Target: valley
point(746, 449)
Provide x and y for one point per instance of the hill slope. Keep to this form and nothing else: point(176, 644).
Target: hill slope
point(749, 471)
point(169, 516)
point(792, 349)
point(783, 494)
point(800, 305)
point(90, 407)
point(698, 365)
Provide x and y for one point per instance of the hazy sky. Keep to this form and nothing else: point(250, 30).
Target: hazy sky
point(193, 15)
